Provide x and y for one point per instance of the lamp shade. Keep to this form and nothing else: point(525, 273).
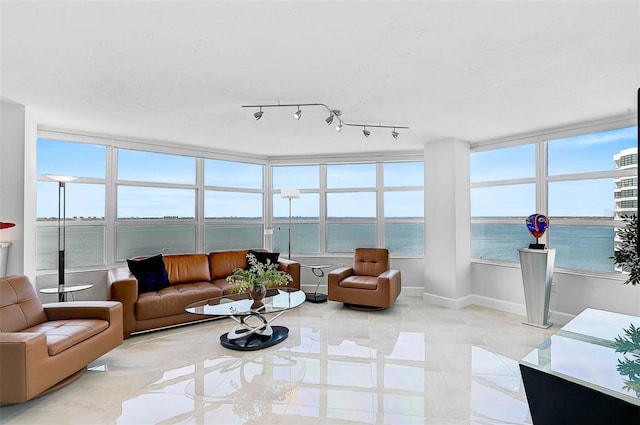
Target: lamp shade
point(289, 193)
point(62, 179)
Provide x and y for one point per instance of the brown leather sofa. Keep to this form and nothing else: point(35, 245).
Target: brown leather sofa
point(370, 284)
point(44, 347)
point(192, 277)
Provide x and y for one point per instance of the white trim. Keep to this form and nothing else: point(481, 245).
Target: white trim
point(557, 318)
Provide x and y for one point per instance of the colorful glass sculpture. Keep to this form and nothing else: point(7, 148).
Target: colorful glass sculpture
point(537, 224)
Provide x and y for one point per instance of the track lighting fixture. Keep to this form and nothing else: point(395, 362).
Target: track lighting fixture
point(333, 113)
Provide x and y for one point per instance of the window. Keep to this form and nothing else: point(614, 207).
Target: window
point(85, 200)
point(128, 202)
point(233, 205)
point(305, 210)
point(156, 167)
point(351, 211)
point(232, 174)
point(503, 193)
point(355, 205)
point(404, 207)
point(587, 183)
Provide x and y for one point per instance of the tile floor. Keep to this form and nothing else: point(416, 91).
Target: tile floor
point(411, 364)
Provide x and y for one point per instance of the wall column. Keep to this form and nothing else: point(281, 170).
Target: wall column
point(18, 135)
point(447, 250)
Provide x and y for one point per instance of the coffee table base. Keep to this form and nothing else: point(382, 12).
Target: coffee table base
point(255, 341)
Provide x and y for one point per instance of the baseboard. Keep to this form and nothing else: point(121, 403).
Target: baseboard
point(447, 302)
point(555, 317)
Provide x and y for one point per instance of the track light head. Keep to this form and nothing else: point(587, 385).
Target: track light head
point(395, 134)
point(339, 127)
point(329, 119)
point(366, 132)
point(298, 114)
point(336, 112)
point(258, 114)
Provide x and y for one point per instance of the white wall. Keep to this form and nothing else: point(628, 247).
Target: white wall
point(500, 287)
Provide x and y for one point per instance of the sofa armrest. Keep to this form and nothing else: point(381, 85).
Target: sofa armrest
point(123, 287)
point(18, 352)
point(335, 276)
point(292, 268)
point(105, 310)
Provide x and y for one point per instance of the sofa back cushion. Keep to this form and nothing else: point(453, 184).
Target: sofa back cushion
point(187, 268)
point(370, 261)
point(223, 263)
point(20, 307)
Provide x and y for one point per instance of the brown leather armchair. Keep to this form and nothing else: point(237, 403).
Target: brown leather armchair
point(44, 347)
point(369, 285)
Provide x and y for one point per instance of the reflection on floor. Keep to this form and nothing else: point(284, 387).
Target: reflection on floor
point(411, 364)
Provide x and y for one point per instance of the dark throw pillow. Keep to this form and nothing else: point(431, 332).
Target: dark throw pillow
point(150, 272)
point(262, 257)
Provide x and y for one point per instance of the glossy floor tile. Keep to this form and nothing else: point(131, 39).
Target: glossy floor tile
point(411, 364)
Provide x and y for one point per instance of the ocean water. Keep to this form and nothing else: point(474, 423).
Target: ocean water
point(584, 247)
point(577, 247)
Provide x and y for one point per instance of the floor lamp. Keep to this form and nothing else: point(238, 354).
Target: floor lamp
point(62, 224)
point(289, 194)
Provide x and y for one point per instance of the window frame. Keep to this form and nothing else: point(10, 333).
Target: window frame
point(541, 180)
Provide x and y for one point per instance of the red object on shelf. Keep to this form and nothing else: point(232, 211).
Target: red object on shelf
point(5, 225)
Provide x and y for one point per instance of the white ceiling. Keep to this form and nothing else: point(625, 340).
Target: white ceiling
point(179, 71)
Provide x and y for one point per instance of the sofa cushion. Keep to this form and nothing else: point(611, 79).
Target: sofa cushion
point(63, 334)
point(223, 263)
point(187, 268)
point(264, 257)
point(150, 272)
point(174, 299)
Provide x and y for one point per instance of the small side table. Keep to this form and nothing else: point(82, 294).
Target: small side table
point(67, 289)
point(318, 271)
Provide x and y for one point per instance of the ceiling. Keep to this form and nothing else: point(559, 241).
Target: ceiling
point(179, 71)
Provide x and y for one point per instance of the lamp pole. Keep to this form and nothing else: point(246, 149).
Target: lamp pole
point(62, 229)
point(62, 237)
point(289, 194)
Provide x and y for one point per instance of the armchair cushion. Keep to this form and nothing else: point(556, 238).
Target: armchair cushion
point(62, 334)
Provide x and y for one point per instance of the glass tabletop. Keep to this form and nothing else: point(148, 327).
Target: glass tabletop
point(66, 288)
point(584, 352)
point(276, 300)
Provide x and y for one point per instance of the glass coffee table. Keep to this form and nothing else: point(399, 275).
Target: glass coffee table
point(253, 330)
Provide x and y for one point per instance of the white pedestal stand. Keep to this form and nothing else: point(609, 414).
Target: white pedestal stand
point(537, 274)
point(4, 255)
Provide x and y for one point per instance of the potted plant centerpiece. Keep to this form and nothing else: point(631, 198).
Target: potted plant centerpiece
point(258, 278)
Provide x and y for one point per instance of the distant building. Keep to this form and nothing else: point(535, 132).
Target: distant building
point(626, 188)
